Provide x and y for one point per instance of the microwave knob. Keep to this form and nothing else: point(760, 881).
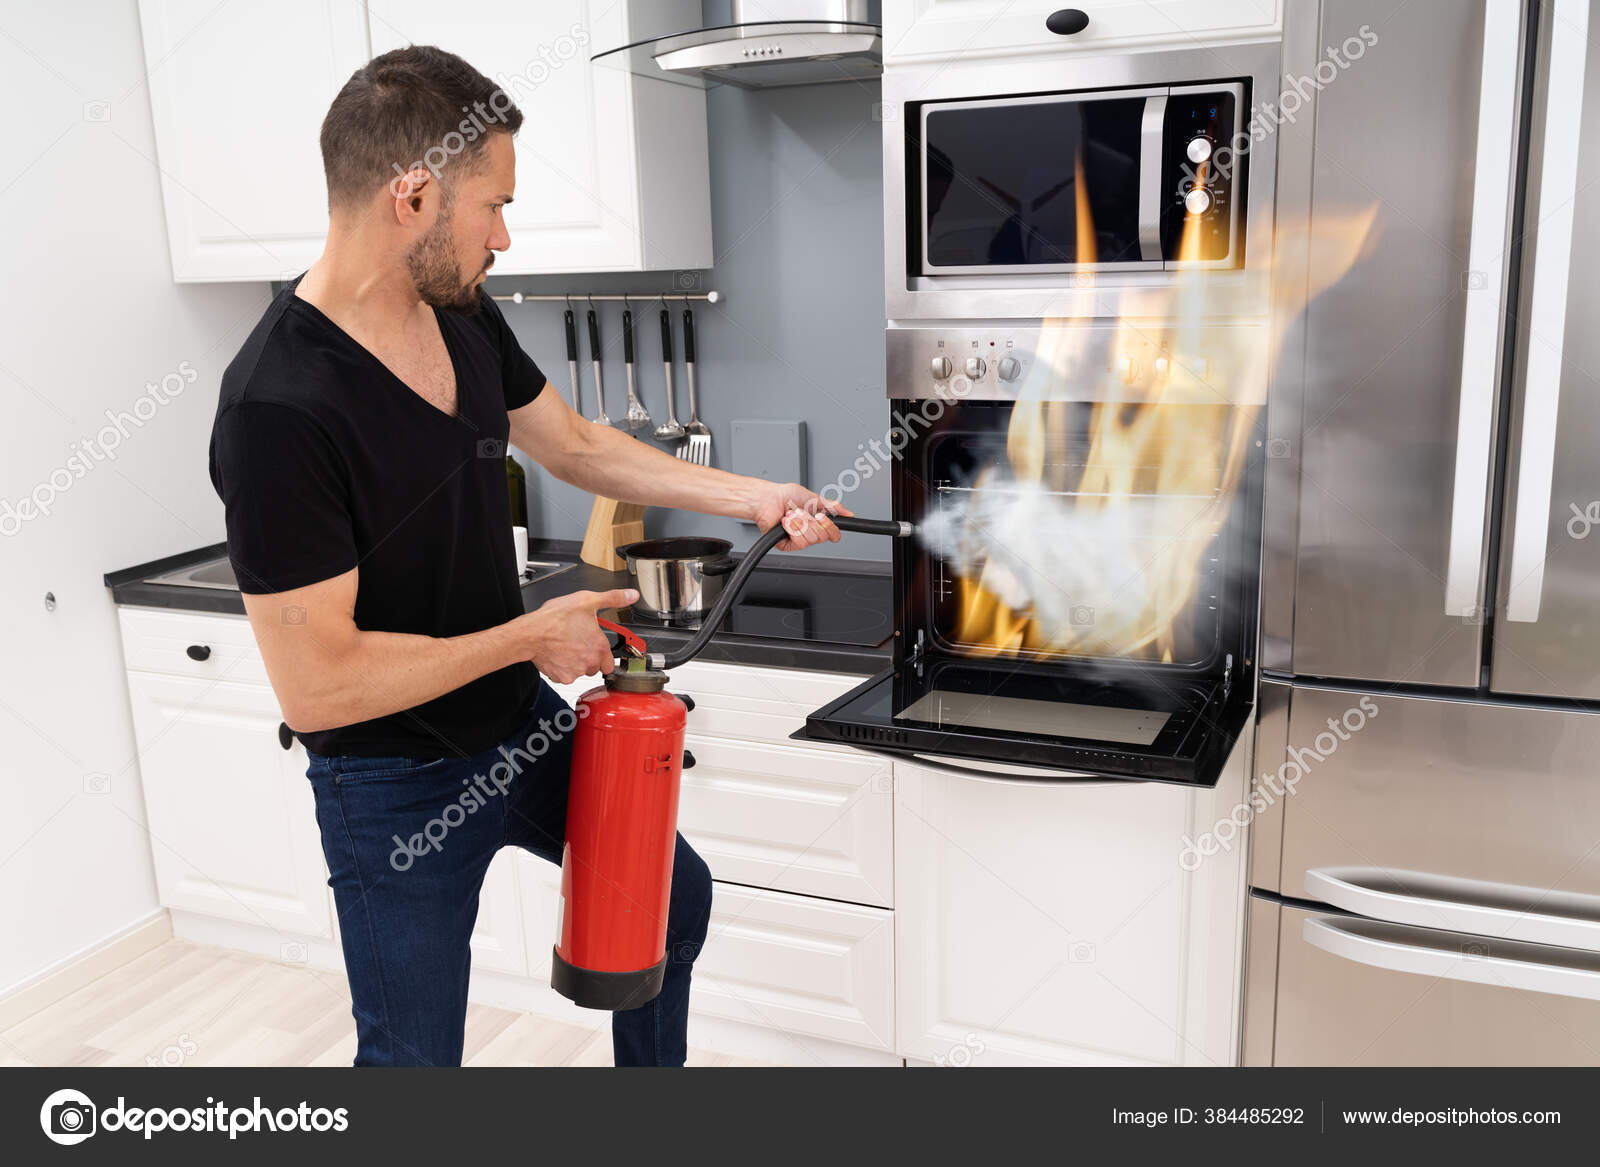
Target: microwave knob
point(1197, 201)
point(1008, 368)
point(976, 368)
point(1198, 150)
point(942, 368)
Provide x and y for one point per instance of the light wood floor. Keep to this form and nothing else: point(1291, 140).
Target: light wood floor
point(194, 1005)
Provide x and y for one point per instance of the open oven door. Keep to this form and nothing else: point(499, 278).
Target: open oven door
point(1131, 724)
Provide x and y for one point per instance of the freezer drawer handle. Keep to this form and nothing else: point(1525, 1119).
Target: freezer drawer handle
point(1461, 961)
point(1480, 348)
point(1452, 904)
point(1547, 311)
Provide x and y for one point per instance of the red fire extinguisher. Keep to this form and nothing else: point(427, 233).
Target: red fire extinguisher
point(622, 821)
point(622, 811)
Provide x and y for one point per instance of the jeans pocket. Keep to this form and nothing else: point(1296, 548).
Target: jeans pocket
point(352, 768)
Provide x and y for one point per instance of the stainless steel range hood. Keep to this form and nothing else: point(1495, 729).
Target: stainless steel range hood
point(768, 44)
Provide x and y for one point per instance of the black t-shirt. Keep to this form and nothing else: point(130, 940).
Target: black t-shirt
point(325, 460)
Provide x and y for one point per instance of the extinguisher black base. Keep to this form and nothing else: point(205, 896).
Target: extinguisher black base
point(598, 989)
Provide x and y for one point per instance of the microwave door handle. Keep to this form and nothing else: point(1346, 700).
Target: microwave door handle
point(1452, 961)
point(1485, 311)
point(1547, 310)
point(1151, 140)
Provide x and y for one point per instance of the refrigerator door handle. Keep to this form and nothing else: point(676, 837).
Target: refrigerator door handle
point(1480, 346)
point(1547, 310)
point(1452, 904)
point(1453, 958)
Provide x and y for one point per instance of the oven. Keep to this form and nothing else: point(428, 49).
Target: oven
point(1080, 593)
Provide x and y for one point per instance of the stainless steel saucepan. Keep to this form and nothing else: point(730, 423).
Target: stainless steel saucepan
point(678, 579)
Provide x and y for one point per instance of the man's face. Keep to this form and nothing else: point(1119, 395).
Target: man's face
point(454, 256)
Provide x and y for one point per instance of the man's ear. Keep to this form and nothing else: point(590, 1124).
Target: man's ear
point(407, 188)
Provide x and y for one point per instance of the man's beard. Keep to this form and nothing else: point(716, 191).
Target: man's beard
point(433, 266)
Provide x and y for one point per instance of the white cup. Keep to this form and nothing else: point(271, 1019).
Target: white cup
point(519, 535)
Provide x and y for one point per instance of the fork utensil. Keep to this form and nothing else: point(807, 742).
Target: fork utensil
point(697, 448)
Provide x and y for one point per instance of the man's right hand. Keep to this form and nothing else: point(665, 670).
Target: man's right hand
point(564, 641)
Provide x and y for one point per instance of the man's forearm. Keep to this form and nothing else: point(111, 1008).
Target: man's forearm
point(375, 674)
point(623, 468)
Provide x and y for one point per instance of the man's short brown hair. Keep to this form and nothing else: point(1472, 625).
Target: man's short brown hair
point(414, 107)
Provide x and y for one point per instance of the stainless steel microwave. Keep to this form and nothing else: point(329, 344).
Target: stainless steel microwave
point(1148, 177)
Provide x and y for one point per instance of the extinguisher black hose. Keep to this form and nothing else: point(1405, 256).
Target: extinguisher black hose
point(730, 590)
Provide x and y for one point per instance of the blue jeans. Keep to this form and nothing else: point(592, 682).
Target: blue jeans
point(408, 843)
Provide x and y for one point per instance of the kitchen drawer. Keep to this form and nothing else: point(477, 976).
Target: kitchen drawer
point(798, 964)
point(924, 29)
point(747, 702)
point(784, 818)
point(157, 641)
point(1443, 813)
point(758, 704)
point(1336, 1009)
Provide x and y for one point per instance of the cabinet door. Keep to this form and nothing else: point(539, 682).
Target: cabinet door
point(914, 29)
point(589, 151)
point(238, 93)
point(230, 814)
point(799, 964)
point(1065, 923)
point(497, 941)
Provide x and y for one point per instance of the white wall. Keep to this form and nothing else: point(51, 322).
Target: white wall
point(90, 315)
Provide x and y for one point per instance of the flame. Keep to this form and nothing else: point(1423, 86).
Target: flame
point(1107, 562)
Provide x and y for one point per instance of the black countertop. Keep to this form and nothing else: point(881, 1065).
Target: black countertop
point(762, 632)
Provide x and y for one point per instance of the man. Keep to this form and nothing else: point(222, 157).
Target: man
point(359, 451)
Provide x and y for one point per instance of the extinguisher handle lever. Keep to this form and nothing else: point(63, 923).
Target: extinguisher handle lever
point(630, 640)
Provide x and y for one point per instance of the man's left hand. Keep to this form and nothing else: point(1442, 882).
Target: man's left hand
point(803, 513)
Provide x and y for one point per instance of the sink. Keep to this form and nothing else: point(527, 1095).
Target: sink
point(218, 574)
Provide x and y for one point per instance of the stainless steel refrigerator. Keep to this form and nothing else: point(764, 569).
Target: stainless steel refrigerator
point(1425, 855)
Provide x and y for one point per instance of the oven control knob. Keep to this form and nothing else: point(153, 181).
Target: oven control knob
point(1126, 368)
point(1199, 149)
point(1197, 201)
point(976, 368)
point(942, 368)
point(1008, 368)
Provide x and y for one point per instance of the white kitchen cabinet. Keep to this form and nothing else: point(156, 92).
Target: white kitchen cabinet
point(796, 820)
point(1056, 923)
point(497, 939)
point(231, 818)
point(612, 170)
point(916, 30)
point(237, 95)
point(798, 964)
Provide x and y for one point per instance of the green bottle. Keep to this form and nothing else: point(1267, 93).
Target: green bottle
point(517, 486)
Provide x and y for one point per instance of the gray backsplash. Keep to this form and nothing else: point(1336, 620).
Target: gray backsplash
point(797, 226)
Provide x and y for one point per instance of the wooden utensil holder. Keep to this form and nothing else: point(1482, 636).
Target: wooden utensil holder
point(612, 524)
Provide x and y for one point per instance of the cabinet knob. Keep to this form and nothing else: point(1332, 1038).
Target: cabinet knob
point(198, 651)
point(1066, 21)
point(688, 701)
point(285, 735)
point(688, 761)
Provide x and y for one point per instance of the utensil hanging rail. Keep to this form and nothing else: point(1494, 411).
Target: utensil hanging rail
point(710, 297)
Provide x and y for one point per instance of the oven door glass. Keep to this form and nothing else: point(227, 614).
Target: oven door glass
point(1032, 184)
point(1128, 724)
